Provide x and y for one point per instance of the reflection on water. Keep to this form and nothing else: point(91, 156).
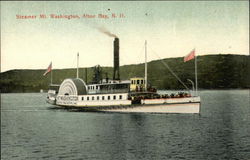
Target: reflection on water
point(32, 129)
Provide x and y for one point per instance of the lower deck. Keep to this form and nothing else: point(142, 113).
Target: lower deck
point(192, 107)
point(124, 103)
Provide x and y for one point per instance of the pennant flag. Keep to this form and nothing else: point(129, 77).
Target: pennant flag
point(48, 69)
point(190, 56)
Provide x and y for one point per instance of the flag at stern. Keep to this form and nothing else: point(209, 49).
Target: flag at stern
point(190, 56)
point(49, 69)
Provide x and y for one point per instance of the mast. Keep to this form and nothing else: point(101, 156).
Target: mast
point(51, 74)
point(146, 66)
point(86, 75)
point(196, 81)
point(77, 72)
point(51, 77)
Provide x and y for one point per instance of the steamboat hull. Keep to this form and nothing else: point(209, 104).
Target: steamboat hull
point(162, 108)
point(171, 105)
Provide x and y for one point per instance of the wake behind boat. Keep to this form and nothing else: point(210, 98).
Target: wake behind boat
point(133, 95)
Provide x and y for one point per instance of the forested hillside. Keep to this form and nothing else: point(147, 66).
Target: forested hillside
point(214, 72)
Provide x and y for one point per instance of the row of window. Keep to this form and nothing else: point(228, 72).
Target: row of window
point(137, 81)
point(101, 97)
point(92, 87)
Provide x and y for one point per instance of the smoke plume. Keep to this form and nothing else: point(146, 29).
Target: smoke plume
point(105, 31)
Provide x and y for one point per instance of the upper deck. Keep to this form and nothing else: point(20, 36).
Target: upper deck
point(109, 87)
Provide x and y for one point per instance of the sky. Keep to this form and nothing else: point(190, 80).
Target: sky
point(171, 28)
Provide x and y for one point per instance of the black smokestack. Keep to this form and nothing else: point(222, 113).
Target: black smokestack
point(116, 75)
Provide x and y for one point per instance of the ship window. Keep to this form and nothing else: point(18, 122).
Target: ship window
point(138, 81)
point(120, 96)
point(97, 97)
point(114, 97)
point(141, 81)
point(132, 82)
point(108, 97)
point(88, 87)
point(82, 98)
point(103, 97)
point(87, 98)
point(93, 98)
point(96, 87)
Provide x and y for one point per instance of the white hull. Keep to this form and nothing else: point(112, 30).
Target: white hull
point(167, 105)
point(160, 108)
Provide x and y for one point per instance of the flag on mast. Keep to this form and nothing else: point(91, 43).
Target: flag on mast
point(190, 56)
point(48, 69)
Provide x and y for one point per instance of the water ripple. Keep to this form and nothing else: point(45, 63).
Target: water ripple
point(32, 129)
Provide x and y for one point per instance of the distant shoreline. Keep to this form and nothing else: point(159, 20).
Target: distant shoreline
point(215, 72)
point(40, 69)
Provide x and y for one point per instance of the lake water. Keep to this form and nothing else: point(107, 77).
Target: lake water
point(32, 129)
